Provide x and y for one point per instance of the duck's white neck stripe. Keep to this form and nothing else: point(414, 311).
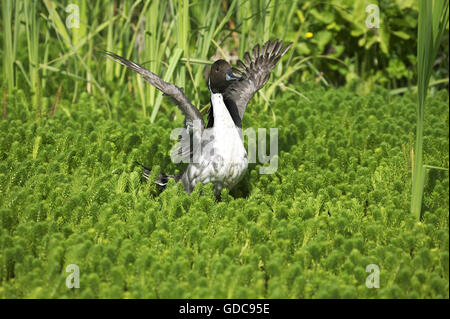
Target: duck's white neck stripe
point(221, 114)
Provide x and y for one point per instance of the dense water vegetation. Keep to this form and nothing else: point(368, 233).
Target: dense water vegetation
point(70, 193)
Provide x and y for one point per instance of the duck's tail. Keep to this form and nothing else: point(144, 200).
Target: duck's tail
point(162, 178)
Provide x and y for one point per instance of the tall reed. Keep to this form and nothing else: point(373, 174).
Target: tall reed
point(175, 39)
point(10, 9)
point(433, 20)
point(32, 32)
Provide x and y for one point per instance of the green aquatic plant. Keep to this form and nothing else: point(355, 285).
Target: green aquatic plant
point(70, 193)
point(433, 20)
point(10, 29)
point(41, 37)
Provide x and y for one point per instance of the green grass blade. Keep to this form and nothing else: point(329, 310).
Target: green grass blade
point(9, 56)
point(433, 19)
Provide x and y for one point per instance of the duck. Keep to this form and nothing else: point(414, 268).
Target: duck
point(214, 151)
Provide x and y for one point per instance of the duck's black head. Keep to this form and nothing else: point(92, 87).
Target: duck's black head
point(221, 76)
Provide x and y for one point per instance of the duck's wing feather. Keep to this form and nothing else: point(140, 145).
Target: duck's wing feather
point(255, 72)
point(183, 150)
point(185, 105)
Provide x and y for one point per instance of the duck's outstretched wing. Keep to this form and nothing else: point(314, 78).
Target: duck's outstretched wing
point(185, 105)
point(193, 122)
point(255, 72)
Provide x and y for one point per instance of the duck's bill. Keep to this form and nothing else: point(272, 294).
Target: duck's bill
point(229, 76)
